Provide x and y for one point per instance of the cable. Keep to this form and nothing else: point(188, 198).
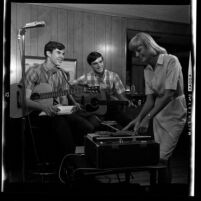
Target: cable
point(91, 170)
point(60, 167)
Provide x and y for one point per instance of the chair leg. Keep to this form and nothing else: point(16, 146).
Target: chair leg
point(153, 177)
point(127, 176)
point(165, 174)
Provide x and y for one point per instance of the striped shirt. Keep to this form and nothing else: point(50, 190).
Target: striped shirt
point(109, 81)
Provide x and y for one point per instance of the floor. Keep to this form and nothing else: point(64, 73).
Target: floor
point(139, 180)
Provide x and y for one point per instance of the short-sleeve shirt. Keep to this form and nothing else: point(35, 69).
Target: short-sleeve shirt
point(39, 73)
point(109, 80)
point(167, 75)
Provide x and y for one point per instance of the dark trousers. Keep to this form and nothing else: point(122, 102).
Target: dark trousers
point(60, 134)
point(117, 113)
point(53, 137)
point(81, 124)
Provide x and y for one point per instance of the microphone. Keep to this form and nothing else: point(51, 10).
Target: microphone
point(19, 34)
point(34, 24)
point(29, 25)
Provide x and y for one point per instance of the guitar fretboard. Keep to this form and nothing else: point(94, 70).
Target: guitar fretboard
point(106, 102)
point(54, 94)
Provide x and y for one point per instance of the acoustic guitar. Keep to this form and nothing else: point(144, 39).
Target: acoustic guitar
point(98, 103)
point(42, 93)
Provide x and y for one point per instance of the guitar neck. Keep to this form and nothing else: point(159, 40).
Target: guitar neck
point(117, 102)
point(51, 95)
point(55, 94)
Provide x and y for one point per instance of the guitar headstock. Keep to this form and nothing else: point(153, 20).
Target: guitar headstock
point(92, 89)
point(78, 89)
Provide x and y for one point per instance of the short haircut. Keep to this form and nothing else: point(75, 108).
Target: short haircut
point(52, 45)
point(93, 56)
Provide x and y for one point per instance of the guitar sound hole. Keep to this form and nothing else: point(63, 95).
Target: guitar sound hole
point(94, 102)
point(35, 96)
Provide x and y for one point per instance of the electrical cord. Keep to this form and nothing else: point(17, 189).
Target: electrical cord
point(60, 167)
point(91, 171)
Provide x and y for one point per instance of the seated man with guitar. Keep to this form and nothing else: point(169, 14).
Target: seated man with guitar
point(48, 78)
point(111, 96)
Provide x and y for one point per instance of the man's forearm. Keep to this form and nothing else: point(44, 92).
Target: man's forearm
point(33, 105)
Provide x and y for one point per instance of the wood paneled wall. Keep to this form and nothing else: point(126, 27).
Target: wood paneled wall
point(81, 32)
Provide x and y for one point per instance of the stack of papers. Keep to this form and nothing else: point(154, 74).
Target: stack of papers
point(63, 110)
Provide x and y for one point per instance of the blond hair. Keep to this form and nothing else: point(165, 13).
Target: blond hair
point(146, 40)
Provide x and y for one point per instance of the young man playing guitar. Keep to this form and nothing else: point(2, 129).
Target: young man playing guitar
point(64, 129)
point(111, 86)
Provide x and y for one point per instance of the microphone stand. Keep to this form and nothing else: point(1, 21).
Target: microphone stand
point(21, 35)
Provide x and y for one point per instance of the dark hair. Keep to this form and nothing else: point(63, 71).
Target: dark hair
point(93, 56)
point(52, 45)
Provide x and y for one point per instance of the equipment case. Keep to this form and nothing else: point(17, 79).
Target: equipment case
point(120, 151)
